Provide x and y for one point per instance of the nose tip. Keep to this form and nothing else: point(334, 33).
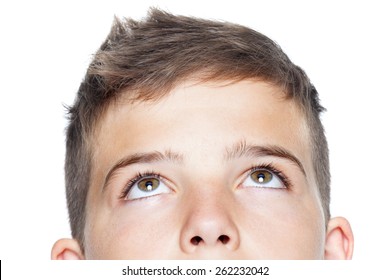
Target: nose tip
point(207, 230)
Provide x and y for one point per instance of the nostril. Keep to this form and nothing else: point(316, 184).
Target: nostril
point(196, 240)
point(224, 239)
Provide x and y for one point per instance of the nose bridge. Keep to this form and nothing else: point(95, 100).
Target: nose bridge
point(209, 221)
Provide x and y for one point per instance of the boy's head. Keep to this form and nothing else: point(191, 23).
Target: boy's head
point(197, 139)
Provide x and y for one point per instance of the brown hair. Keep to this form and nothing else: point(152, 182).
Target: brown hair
point(146, 59)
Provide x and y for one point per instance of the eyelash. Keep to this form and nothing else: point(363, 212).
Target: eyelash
point(131, 183)
point(270, 167)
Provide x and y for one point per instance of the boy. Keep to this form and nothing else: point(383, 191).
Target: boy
point(194, 139)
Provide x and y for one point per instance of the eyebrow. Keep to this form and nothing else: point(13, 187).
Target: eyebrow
point(242, 149)
point(142, 158)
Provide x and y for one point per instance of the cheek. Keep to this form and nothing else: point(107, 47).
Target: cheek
point(281, 226)
point(132, 232)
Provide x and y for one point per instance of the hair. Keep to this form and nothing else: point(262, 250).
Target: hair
point(146, 59)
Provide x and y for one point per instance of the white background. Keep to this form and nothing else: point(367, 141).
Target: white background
point(45, 48)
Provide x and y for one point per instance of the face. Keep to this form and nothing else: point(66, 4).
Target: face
point(211, 171)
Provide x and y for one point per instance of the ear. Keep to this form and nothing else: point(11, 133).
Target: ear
point(66, 249)
point(339, 240)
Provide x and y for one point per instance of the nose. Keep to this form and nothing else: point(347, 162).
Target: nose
point(209, 225)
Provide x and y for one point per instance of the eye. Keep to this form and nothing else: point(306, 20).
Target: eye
point(146, 187)
point(263, 178)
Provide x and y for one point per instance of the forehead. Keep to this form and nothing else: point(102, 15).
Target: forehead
point(195, 116)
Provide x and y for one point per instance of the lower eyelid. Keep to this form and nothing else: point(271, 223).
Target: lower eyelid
point(270, 185)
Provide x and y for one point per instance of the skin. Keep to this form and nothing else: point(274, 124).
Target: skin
point(206, 206)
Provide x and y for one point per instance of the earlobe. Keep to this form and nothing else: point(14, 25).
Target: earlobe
point(339, 240)
point(66, 249)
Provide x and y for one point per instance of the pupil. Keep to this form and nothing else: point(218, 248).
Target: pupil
point(260, 177)
point(149, 183)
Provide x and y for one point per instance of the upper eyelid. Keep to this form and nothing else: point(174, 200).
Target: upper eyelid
point(242, 149)
point(140, 158)
point(253, 168)
point(141, 176)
